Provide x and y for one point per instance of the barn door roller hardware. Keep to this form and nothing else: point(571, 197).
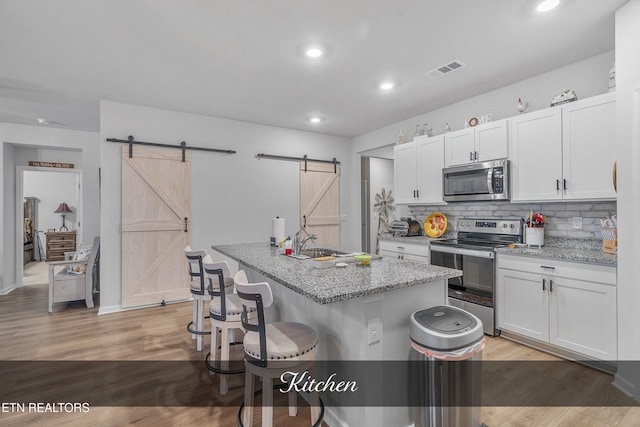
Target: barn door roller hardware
point(304, 159)
point(183, 146)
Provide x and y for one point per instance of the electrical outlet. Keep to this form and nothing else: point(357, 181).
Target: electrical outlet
point(576, 222)
point(374, 330)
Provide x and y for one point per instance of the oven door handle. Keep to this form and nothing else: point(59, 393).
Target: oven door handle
point(462, 251)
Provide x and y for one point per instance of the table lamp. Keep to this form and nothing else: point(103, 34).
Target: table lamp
point(64, 210)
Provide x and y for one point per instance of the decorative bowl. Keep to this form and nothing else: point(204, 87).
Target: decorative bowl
point(363, 259)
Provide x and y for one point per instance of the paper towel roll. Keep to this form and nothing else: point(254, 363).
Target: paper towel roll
point(277, 230)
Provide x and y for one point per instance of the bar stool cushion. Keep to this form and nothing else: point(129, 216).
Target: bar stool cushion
point(228, 285)
point(233, 307)
point(285, 340)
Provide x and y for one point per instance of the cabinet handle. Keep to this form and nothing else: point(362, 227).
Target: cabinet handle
point(401, 248)
point(414, 194)
point(475, 155)
point(417, 194)
point(557, 185)
point(471, 155)
point(564, 184)
point(550, 285)
point(544, 283)
point(186, 227)
point(545, 266)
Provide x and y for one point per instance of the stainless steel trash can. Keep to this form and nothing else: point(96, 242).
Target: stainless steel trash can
point(449, 343)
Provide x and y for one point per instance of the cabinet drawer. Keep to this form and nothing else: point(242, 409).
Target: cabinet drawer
point(579, 271)
point(404, 250)
point(69, 290)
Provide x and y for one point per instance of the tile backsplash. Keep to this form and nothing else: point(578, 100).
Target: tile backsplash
point(559, 215)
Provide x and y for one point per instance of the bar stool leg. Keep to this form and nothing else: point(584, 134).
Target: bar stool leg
point(267, 401)
point(314, 399)
point(293, 403)
point(200, 325)
point(194, 318)
point(224, 360)
point(214, 346)
point(249, 386)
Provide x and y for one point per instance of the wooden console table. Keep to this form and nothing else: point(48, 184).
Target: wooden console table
point(58, 243)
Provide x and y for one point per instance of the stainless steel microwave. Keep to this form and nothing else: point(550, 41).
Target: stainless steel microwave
point(476, 181)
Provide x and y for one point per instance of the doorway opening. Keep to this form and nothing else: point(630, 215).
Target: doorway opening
point(47, 200)
point(376, 174)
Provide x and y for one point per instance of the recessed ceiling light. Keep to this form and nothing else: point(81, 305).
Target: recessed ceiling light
point(315, 120)
point(314, 52)
point(387, 85)
point(43, 121)
point(547, 5)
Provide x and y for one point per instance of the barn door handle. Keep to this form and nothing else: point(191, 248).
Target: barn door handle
point(186, 224)
point(304, 221)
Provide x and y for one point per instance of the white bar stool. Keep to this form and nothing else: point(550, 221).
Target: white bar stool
point(196, 273)
point(270, 349)
point(224, 310)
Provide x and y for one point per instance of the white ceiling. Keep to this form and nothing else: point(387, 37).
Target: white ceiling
point(242, 59)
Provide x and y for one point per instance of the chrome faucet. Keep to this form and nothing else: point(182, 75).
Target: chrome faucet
point(298, 244)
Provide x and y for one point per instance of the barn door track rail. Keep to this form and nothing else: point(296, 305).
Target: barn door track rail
point(183, 146)
point(304, 159)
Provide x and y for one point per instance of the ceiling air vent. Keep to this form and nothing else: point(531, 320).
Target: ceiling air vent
point(447, 68)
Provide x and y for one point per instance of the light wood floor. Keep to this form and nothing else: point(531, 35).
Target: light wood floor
point(73, 332)
point(35, 273)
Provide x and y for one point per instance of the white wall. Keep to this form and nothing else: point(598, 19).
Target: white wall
point(233, 197)
point(628, 138)
point(19, 144)
point(51, 189)
point(587, 78)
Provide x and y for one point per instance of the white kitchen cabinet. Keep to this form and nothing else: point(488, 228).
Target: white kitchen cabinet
point(523, 307)
point(589, 147)
point(481, 143)
point(564, 152)
point(402, 250)
point(569, 305)
point(536, 155)
point(418, 171)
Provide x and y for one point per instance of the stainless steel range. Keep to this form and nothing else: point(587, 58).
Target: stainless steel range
point(473, 252)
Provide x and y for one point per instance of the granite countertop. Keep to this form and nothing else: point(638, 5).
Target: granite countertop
point(333, 284)
point(562, 249)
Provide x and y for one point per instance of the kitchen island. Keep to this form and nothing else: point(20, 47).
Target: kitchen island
point(359, 312)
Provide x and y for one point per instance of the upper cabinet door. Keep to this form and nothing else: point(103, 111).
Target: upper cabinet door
point(492, 141)
point(536, 153)
point(589, 147)
point(430, 155)
point(460, 147)
point(405, 173)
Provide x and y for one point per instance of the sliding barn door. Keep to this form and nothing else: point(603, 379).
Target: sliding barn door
point(156, 210)
point(320, 202)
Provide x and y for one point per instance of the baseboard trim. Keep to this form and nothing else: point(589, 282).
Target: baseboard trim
point(7, 291)
point(119, 308)
point(609, 367)
point(625, 386)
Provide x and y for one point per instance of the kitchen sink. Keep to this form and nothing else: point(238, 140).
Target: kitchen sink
point(319, 252)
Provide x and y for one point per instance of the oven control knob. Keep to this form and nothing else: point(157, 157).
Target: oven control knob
point(505, 225)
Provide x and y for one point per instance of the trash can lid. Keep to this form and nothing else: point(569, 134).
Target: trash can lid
point(445, 328)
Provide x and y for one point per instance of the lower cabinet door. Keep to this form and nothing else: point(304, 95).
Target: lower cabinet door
point(582, 317)
point(523, 303)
